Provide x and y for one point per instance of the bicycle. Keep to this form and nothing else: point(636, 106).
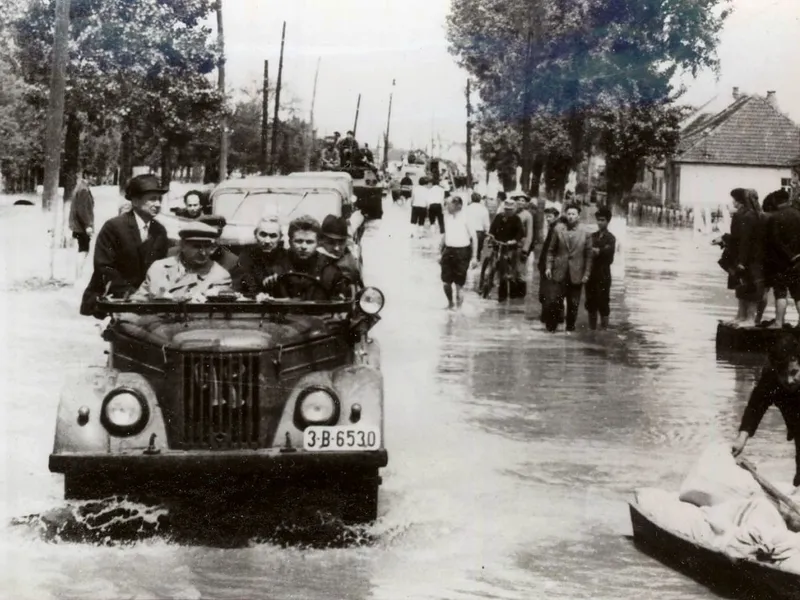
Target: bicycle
point(498, 264)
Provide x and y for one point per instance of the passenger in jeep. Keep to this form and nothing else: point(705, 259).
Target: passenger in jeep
point(304, 273)
point(191, 272)
point(259, 262)
point(334, 243)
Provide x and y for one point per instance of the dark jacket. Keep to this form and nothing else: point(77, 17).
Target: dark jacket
point(543, 252)
point(255, 265)
point(601, 264)
point(747, 241)
point(319, 267)
point(782, 238)
point(507, 229)
point(121, 258)
point(81, 210)
point(769, 392)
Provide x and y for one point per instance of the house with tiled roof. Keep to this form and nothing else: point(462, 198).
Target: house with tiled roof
point(749, 144)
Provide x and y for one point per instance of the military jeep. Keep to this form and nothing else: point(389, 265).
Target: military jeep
point(227, 398)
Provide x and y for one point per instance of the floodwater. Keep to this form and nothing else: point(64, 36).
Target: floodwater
point(512, 452)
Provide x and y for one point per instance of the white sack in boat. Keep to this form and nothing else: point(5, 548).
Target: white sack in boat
point(672, 514)
point(757, 531)
point(716, 478)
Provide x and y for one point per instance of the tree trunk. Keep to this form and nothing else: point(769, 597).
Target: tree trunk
point(125, 156)
point(536, 175)
point(72, 154)
point(166, 165)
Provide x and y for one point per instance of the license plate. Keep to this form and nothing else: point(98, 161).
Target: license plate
point(341, 438)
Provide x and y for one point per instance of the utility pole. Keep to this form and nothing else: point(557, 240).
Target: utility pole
point(55, 122)
point(223, 122)
point(265, 121)
point(388, 122)
point(275, 120)
point(311, 147)
point(469, 139)
point(355, 123)
point(527, 150)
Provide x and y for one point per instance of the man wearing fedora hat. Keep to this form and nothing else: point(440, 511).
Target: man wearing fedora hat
point(192, 271)
point(333, 244)
point(128, 244)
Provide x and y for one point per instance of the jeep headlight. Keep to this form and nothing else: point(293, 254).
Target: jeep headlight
point(125, 412)
point(317, 406)
point(370, 301)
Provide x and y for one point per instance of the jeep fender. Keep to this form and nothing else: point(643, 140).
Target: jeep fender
point(357, 384)
point(88, 390)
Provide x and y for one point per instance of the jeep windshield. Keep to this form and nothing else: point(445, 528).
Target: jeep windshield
point(246, 207)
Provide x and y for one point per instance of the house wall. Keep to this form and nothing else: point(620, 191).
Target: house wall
point(711, 185)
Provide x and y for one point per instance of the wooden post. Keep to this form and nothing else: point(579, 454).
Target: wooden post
point(275, 120)
point(355, 123)
point(469, 139)
point(526, 149)
point(55, 123)
point(388, 123)
point(310, 150)
point(223, 122)
point(265, 121)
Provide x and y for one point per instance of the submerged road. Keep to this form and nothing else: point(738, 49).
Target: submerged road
point(512, 451)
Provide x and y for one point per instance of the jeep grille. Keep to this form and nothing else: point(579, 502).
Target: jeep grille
point(220, 400)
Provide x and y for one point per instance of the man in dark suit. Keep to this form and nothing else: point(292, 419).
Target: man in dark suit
point(128, 244)
point(569, 263)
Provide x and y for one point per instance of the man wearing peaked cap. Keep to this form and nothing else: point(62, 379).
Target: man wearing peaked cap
point(192, 271)
point(222, 254)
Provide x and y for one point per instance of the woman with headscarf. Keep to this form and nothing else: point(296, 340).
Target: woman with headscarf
point(746, 270)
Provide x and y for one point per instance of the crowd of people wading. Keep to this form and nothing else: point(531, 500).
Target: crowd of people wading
point(762, 252)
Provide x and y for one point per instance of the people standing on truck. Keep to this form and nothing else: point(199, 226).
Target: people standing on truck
point(329, 158)
point(598, 288)
point(782, 247)
point(257, 263)
point(81, 223)
point(189, 273)
point(569, 263)
point(333, 243)
point(459, 251)
point(128, 244)
point(478, 216)
point(366, 153)
point(348, 149)
point(549, 290)
point(435, 203)
point(419, 206)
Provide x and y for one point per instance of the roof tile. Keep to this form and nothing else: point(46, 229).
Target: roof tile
point(748, 132)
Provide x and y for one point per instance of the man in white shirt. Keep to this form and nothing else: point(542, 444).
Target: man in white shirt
point(478, 217)
point(419, 205)
point(435, 203)
point(459, 251)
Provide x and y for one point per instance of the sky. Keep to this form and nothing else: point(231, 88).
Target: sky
point(362, 45)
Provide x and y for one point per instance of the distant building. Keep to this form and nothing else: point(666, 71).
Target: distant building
point(749, 144)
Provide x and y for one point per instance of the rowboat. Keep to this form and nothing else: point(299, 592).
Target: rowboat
point(739, 578)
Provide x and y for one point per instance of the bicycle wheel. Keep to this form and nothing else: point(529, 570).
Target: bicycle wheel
point(488, 281)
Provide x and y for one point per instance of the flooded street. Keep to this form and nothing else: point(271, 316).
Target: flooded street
point(512, 452)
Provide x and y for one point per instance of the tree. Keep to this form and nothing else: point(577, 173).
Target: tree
point(139, 65)
point(565, 61)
